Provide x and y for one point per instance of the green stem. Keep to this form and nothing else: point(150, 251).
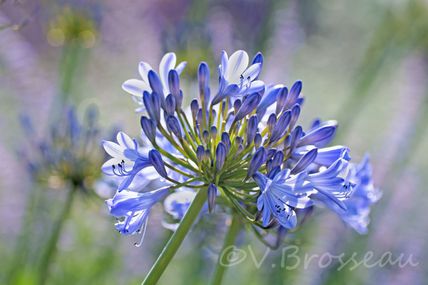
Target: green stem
point(226, 250)
point(176, 239)
point(22, 249)
point(51, 247)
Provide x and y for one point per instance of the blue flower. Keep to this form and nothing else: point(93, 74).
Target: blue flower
point(364, 195)
point(280, 195)
point(245, 147)
point(126, 161)
point(133, 208)
point(236, 77)
point(136, 87)
point(332, 185)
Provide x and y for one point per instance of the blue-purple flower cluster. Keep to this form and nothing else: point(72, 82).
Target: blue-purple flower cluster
point(243, 145)
point(66, 155)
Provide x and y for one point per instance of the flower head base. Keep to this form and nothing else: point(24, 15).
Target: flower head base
point(244, 146)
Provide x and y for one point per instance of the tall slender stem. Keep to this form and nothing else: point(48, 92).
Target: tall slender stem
point(22, 247)
point(176, 239)
point(51, 246)
point(226, 250)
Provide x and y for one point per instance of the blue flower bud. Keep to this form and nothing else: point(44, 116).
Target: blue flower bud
point(319, 137)
point(213, 132)
point(200, 152)
point(268, 99)
point(257, 160)
point(155, 159)
point(205, 136)
point(240, 149)
point(258, 140)
point(295, 112)
point(274, 171)
point(270, 153)
point(249, 104)
point(252, 128)
point(203, 79)
point(170, 104)
point(277, 159)
point(152, 104)
point(149, 128)
point(173, 126)
point(280, 127)
point(174, 83)
point(226, 140)
point(269, 165)
point(271, 122)
point(212, 195)
point(305, 161)
point(239, 140)
point(179, 101)
point(199, 116)
point(220, 155)
point(203, 75)
point(156, 84)
point(194, 107)
point(293, 95)
point(296, 134)
point(236, 105)
point(281, 99)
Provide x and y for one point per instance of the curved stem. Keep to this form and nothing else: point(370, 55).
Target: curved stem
point(50, 250)
point(176, 239)
point(226, 250)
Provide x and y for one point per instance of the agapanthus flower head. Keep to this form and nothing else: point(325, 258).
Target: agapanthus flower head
point(67, 155)
point(243, 146)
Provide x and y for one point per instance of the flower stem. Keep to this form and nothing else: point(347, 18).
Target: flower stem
point(176, 239)
point(50, 250)
point(226, 251)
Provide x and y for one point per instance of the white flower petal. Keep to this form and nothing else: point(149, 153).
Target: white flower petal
point(252, 72)
point(255, 86)
point(180, 67)
point(124, 140)
point(237, 64)
point(224, 60)
point(113, 149)
point(135, 87)
point(107, 166)
point(167, 63)
point(143, 69)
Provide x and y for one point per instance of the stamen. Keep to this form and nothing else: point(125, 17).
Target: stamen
point(143, 233)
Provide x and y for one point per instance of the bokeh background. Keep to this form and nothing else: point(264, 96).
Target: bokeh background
point(364, 63)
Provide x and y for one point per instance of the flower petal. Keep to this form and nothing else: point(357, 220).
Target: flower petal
point(237, 64)
point(135, 87)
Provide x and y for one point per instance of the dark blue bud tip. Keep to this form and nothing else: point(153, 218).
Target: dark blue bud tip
point(200, 152)
point(258, 58)
point(173, 125)
point(170, 104)
point(212, 195)
point(149, 128)
point(174, 83)
point(155, 83)
point(155, 159)
point(220, 153)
